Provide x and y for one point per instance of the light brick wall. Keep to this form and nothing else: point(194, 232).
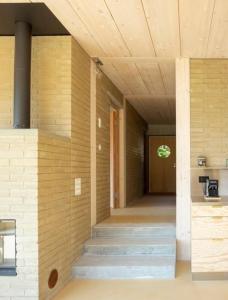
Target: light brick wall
point(60, 105)
point(50, 83)
point(19, 201)
point(35, 191)
point(80, 148)
point(54, 211)
point(103, 85)
point(135, 129)
point(209, 110)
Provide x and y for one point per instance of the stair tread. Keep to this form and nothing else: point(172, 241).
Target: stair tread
point(130, 242)
point(125, 261)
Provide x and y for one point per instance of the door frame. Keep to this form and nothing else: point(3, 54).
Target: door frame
point(114, 158)
point(147, 164)
point(121, 108)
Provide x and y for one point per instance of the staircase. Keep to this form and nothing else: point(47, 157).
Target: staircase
point(129, 251)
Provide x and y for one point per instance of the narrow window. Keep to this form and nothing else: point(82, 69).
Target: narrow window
point(7, 247)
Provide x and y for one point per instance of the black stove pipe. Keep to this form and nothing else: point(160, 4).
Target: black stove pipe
point(22, 75)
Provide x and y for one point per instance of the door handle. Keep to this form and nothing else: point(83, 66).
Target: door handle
point(174, 165)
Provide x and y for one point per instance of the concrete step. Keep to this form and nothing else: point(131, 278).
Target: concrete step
point(125, 267)
point(131, 246)
point(147, 230)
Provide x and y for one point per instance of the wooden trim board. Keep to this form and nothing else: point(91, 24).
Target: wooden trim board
point(183, 198)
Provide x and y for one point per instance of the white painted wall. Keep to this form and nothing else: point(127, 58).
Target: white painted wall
point(183, 202)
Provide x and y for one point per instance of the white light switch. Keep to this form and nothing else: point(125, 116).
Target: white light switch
point(99, 123)
point(78, 186)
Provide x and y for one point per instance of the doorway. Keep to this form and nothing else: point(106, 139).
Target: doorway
point(114, 158)
point(162, 165)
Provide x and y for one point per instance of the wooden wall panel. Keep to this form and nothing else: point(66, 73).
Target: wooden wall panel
point(183, 197)
point(135, 129)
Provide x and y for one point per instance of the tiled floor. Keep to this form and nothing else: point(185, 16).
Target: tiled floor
point(180, 288)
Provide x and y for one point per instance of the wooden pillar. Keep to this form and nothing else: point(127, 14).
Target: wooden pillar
point(183, 202)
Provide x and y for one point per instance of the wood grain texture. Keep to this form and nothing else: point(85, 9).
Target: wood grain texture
point(210, 255)
point(145, 29)
point(195, 16)
point(135, 130)
point(183, 200)
point(162, 17)
point(209, 227)
point(215, 210)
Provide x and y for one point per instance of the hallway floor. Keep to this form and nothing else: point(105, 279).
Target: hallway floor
point(180, 288)
point(149, 205)
point(155, 201)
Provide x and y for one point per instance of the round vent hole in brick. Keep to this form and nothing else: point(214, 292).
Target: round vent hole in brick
point(53, 279)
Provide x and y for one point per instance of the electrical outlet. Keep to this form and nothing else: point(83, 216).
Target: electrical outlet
point(78, 187)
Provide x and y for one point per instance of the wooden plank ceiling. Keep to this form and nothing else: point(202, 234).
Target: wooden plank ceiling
point(138, 41)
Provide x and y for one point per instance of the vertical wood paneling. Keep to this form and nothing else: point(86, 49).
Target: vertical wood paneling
point(135, 129)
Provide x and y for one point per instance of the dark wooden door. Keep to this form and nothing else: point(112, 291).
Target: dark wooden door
point(162, 167)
